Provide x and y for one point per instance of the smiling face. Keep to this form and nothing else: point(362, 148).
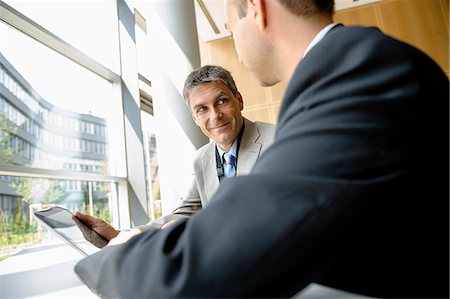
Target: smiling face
point(217, 112)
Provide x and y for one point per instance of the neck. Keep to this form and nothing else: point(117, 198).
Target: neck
point(227, 147)
point(293, 35)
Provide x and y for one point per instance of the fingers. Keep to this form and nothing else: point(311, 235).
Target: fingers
point(87, 219)
point(101, 227)
point(90, 234)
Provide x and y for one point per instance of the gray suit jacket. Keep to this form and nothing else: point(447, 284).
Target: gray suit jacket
point(257, 137)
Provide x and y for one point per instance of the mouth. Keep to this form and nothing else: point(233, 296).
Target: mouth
point(219, 127)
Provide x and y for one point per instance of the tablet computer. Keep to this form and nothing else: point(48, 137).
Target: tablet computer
point(59, 221)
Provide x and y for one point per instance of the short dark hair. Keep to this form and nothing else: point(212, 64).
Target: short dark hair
point(205, 74)
point(297, 7)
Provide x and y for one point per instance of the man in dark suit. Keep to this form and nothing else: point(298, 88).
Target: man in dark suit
point(353, 194)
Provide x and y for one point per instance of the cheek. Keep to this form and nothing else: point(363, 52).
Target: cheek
point(203, 125)
point(239, 46)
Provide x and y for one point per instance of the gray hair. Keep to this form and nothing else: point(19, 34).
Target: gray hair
point(205, 74)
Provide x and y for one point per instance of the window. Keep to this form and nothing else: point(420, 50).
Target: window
point(29, 93)
point(53, 123)
point(25, 195)
point(98, 25)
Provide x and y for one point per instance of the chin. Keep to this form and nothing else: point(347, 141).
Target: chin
point(265, 80)
point(267, 83)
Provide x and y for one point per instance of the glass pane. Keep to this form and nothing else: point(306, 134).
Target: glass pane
point(90, 26)
point(151, 167)
point(152, 176)
point(54, 114)
point(21, 196)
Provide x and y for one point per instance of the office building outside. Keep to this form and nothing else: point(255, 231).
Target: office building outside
point(36, 133)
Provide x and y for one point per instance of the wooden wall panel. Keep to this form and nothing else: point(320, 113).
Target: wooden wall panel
point(365, 15)
point(275, 93)
point(275, 112)
point(422, 24)
point(259, 114)
point(445, 10)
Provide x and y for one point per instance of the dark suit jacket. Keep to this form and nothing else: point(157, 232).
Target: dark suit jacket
point(353, 193)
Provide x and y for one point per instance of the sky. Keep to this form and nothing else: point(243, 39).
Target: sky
point(88, 26)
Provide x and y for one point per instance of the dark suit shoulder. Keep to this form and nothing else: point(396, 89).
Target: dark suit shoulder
point(356, 60)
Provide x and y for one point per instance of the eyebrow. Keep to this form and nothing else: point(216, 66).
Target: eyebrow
point(221, 94)
point(197, 106)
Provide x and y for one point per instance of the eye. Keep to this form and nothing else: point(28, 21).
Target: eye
point(221, 101)
point(200, 110)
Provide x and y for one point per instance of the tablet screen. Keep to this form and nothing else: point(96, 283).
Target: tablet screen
point(59, 221)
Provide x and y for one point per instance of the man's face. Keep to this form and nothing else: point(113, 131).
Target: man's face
point(251, 44)
point(217, 112)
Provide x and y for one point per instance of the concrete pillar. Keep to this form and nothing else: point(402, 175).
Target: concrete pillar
point(174, 54)
point(135, 188)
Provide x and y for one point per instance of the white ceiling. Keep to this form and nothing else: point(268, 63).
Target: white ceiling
point(211, 19)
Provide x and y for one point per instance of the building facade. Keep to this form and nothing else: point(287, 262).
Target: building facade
point(36, 133)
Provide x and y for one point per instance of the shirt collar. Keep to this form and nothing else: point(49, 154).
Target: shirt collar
point(232, 150)
point(319, 37)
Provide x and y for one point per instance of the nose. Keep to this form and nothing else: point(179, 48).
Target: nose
point(215, 114)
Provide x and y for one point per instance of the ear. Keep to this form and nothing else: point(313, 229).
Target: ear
point(241, 100)
point(257, 10)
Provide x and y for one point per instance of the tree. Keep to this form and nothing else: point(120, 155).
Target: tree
point(6, 131)
point(54, 194)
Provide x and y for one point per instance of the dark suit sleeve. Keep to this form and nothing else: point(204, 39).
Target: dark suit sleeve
point(338, 199)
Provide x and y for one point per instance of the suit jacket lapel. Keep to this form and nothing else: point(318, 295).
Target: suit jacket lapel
point(248, 150)
point(248, 154)
point(209, 170)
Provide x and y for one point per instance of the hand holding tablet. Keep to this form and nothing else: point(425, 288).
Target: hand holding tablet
point(68, 227)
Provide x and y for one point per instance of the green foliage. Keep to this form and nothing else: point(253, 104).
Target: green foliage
point(23, 188)
point(54, 194)
point(6, 152)
point(99, 199)
point(14, 232)
point(2, 258)
point(39, 190)
point(103, 213)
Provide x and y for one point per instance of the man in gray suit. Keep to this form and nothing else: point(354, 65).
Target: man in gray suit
point(216, 105)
